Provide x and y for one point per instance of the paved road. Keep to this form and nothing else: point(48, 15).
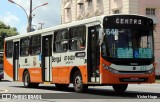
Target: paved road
point(149, 92)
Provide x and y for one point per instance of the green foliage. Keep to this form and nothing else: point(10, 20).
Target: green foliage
point(9, 31)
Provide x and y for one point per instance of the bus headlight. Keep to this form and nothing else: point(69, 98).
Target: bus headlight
point(150, 71)
point(111, 69)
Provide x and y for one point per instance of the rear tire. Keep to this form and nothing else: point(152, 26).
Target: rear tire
point(62, 86)
point(120, 88)
point(26, 81)
point(78, 83)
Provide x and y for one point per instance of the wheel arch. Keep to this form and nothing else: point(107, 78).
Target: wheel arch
point(25, 70)
point(74, 69)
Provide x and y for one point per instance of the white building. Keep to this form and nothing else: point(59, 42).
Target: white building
point(72, 10)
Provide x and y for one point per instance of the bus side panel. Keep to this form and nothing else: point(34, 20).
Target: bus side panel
point(35, 74)
point(62, 74)
point(83, 70)
point(110, 78)
point(8, 69)
point(54, 75)
point(20, 74)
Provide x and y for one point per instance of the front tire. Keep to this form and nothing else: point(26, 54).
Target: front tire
point(26, 81)
point(77, 82)
point(120, 88)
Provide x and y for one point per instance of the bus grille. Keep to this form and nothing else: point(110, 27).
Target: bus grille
point(133, 79)
point(132, 72)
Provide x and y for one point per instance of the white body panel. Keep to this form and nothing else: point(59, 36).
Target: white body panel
point(16, 69)
point(48, 69)
point(69, 59)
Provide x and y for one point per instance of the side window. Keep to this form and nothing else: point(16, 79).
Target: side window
point(9, 49)
point(61, 41)
point(35, 45)
point(24, 47)
point(77, 38)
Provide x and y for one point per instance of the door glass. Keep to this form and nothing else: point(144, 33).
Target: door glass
point(46, 47)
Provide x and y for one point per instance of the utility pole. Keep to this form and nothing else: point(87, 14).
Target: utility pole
point(41, 25)
point(30, 18)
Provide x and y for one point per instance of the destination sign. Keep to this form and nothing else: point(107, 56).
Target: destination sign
point(128, 21)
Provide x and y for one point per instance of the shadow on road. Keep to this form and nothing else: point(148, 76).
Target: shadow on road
point(5, 81)
point(93, 93)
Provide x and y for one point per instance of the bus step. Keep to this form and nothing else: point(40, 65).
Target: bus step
point(47, 83)
point(93, 83)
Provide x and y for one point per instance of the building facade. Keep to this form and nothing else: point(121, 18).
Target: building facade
point(73, 10)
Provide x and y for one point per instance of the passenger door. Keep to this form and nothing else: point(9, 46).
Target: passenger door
point(47, 58)
point(93, 54)
point(15, 61)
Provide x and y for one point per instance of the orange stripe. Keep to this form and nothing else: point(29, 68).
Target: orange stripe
point(62, 74)
point(35, 74)
point(8, 68)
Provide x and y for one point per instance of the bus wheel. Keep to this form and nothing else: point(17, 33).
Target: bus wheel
point(62, 86)
point(77, 82)
point(26, 81)
point(120, 88)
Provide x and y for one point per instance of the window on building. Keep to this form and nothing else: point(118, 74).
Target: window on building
point(65, 1)
point(99, 1)
point(9, 49)
point(150, 11)
point(89, 2)
point(81, 6)
point(116, 11)
point(35, 45)
point(24, 46)
point(77, 38)
point(68, 10)
point(61, 41)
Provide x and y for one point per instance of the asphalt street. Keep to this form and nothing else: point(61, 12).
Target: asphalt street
point(49, 93)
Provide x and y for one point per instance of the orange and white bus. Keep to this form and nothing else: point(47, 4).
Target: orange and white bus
point(114, 50)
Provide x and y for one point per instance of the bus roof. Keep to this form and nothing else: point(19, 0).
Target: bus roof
point(52, 29)
point(63, 26)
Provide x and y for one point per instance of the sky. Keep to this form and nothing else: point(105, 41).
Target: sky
point(15, 16)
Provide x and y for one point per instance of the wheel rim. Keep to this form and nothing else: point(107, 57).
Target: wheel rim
point(26, 80)
point(78, 82)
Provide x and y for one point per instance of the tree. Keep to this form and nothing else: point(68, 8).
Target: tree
point(6, 31)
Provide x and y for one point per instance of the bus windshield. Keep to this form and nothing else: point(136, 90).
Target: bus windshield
point(128, 43)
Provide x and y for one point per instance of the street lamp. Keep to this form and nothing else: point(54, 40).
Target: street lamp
point(29, 18)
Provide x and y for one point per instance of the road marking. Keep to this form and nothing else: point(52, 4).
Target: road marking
point(3, 90)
